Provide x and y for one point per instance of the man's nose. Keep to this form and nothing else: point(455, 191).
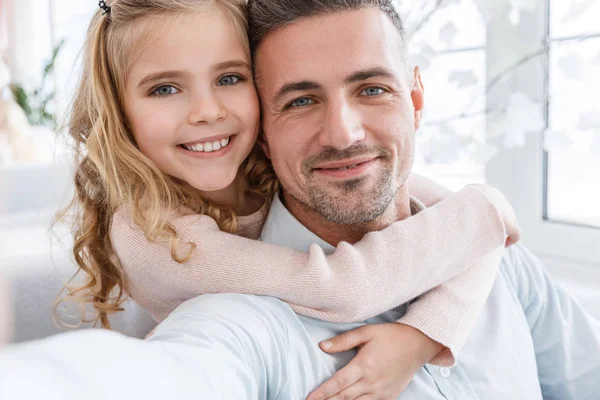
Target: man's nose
point(206, 108)
point(343, 127)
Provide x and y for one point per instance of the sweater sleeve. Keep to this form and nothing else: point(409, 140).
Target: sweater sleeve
point(356, 282)
point(448, 312)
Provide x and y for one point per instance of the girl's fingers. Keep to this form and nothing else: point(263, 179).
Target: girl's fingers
point(343, 379)
point(355, 391)
point(346, 341)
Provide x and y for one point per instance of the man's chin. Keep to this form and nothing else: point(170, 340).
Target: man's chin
point(349, 214)
point(347, 208)
point(345, 187)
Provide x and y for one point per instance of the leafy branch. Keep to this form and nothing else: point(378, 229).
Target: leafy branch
point(493, 81)
point(37, 103)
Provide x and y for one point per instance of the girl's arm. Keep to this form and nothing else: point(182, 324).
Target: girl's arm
point(448, 312)
point(464, 232)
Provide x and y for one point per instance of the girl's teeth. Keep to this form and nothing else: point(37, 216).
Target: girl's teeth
point(208, 147)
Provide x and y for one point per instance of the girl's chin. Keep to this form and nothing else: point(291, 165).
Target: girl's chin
point(213, 185)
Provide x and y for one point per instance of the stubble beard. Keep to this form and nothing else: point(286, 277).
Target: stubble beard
point(352, 202)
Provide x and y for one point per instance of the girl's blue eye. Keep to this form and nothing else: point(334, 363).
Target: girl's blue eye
point(373, 91)
point(229, 80)
point(165, 90)
point(301, 102)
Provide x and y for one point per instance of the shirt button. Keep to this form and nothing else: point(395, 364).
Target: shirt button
point(445, 372)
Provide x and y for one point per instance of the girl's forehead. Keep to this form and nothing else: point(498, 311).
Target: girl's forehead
point(184, 41)
point(209, 29)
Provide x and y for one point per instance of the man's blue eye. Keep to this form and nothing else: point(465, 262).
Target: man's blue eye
point(229, 80)
point(301, 102)
point(165, 90)
point(373, 91)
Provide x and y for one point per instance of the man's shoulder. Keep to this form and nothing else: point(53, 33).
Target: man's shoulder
point(242, 320)
point(523, 271)
point(223, 302)
point(235, 307)
point(517, 257)
point(236, 334)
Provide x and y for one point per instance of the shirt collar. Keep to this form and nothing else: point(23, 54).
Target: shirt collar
point(283, 229)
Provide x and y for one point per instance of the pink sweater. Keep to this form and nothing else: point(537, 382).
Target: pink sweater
point(448, 253)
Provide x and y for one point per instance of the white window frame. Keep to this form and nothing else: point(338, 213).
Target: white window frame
point(520, 172)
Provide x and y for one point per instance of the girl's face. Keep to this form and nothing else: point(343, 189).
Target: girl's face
point(190, 100)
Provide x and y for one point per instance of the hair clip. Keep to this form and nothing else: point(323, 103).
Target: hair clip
point(102, 4)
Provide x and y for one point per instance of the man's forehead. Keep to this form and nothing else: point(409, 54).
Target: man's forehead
point(338, 43)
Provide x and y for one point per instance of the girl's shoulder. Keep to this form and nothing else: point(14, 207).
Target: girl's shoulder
point(250, 226)
point(124, 224)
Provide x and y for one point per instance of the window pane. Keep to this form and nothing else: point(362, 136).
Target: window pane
point(573, 138)
point(452, 26)
point(576, 17)
point(70, 19)
point(452, 149)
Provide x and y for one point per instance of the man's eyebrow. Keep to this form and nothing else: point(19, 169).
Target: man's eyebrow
point(376, 72)
point(233, 64)
point(355, 77)
point(295, 87)
point(162, 75)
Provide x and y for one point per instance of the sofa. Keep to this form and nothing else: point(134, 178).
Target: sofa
point(34, 262)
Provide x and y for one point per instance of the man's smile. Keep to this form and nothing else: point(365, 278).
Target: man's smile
point(345, 169)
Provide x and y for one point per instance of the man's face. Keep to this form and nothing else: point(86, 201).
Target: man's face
point(340, 112)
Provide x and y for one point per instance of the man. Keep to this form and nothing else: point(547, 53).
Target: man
point(341, 108)
point(337, 91)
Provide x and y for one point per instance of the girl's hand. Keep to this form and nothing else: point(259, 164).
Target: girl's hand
point(388, 357)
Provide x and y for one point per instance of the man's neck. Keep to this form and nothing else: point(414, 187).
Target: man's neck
point(334, 233)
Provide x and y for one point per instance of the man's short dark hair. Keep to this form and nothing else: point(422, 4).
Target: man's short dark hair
point(268, 15)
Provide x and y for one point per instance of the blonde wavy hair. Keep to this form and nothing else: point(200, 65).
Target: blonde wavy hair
point(111, 172)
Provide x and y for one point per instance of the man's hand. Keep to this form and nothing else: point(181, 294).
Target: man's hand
point(388, 357)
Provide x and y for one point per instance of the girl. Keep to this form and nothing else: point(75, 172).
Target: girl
point(171, 191)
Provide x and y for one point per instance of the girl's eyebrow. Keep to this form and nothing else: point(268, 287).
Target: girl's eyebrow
point(233, 64)
point(163, 75)
point(174, 74)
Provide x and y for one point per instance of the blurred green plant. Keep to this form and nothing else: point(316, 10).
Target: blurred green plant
point(38, 103)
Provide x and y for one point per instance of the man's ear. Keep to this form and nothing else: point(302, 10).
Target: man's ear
point(418, 97)
point(262, 142)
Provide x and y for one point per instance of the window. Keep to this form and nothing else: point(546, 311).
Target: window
point(447, 41)
point(70, 20)
point(552, 177)
point(572, 141)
